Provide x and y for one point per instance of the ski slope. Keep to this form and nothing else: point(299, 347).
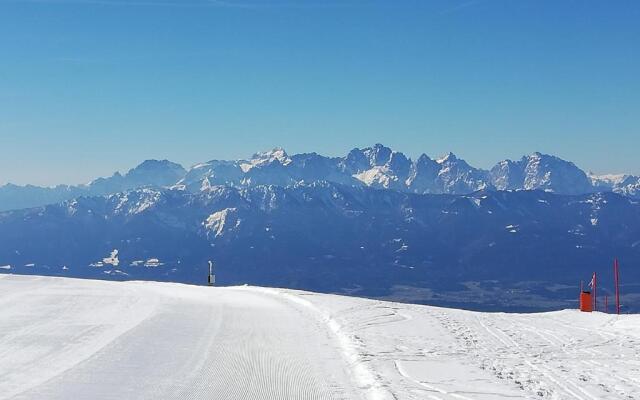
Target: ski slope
point(80, 339)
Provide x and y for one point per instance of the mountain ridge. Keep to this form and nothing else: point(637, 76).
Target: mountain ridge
point(377, 166)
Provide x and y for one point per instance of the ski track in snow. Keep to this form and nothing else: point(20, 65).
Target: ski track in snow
point(438, 353)
point(64, 338)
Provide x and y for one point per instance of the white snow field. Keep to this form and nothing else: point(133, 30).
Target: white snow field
point(79, 339)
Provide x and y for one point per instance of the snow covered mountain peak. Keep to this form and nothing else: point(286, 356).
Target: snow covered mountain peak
point(156, 173)
point(378, 155)
point(148, 173)
point(608, 180)
point(377, 166)
point(457, 176)
point(267, 157)
point(449, 157)
point(542, 172)
point(628, 185)
point(537, 154)
point(154, 165)
point(277, 153)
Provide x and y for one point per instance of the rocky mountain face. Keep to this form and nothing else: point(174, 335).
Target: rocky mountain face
point(377, 167)
point(382, 168)
point(509, 250)
point(541, 171)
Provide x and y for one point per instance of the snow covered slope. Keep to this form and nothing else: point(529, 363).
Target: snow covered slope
point(71, 339)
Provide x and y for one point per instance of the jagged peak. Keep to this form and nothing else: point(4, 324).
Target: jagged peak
point(277, 153)
point(396, 155)
point(449, 157)
point(379, 154)
point(423, 158)
point(266, 157)
point(536, 155)
point(375, 147)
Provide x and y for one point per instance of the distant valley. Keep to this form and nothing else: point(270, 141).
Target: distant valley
point(374, 223)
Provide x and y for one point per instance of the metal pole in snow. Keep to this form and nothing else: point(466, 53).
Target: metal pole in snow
point(595, 292)
point(616, 278)
point(606, 304)
point(617, 287)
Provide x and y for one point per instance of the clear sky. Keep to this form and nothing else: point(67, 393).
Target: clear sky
point(88, 87)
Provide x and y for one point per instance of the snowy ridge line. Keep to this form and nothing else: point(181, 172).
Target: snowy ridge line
point(364, 376)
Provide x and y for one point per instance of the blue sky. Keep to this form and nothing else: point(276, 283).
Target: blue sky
point(88, 87)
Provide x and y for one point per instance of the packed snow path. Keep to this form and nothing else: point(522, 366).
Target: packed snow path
point(73, 339)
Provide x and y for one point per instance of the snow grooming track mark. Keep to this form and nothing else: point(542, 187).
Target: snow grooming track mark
point(254, 360)
point(60, 355)
point(256, 372)
point(363, 376)
point(199, 343)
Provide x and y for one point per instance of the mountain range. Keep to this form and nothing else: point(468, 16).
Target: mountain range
point(377, 167)
point(374, 223)
point(149, 173)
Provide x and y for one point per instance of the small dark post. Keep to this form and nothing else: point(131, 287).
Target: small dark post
point(595, 292)
point(616, 278)
point(212, 277)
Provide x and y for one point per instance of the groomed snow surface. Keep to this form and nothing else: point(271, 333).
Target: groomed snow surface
point(79, 339)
